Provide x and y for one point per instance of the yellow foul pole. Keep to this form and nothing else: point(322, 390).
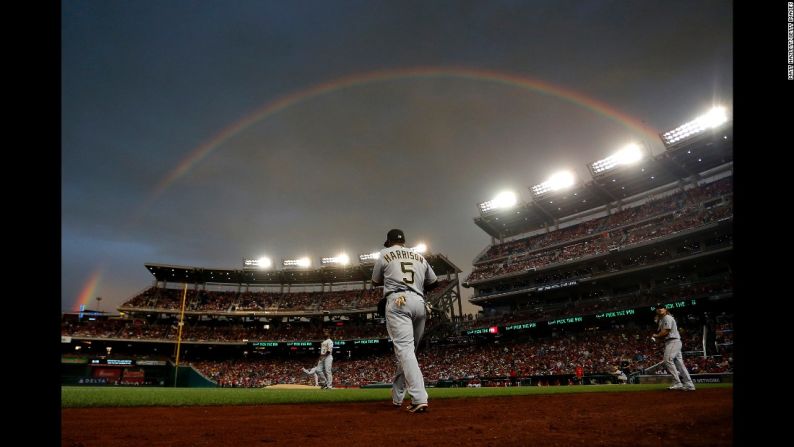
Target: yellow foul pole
point(179, 334)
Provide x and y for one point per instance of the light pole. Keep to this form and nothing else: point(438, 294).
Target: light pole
point(98, 302)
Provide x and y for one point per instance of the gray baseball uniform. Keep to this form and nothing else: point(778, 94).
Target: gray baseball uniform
point(404, 273)
point(314, 372)
point(327, 361)
point(673, 359)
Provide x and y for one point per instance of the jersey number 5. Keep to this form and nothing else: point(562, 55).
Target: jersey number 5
point(406, 268)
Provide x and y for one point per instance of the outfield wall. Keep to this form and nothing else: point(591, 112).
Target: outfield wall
point(127, 372)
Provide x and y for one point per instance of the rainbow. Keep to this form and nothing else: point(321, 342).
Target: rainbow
point(89, 289)
point(479, 75)
point(279, 104)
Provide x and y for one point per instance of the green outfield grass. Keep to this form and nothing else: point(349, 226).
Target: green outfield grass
point(77, 397)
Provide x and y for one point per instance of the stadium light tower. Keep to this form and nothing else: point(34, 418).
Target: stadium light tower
point(505, 199)
point(342, 259)
point(260, 264)
point(629, 154)
point(714, 118)
point(557, 181)
point(369, 257)
point(300, 262)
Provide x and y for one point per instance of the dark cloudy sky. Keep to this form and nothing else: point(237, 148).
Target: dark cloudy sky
point(313, 127)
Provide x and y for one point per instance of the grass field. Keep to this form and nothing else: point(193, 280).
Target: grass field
point(78, 397)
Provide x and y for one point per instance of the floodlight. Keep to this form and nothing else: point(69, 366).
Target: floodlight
point(302, 262)
point(262, 263)
point(714, 118)
point(558, 180)
point(420, 247)
point(504, 199)
point(369, 256)
point(342, 259)
point(631, 153)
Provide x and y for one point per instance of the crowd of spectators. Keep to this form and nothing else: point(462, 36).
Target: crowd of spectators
point(655, 219)
point(597, 246)
point(693, 198)
point(138, 329)
point(588, 302)
point(230, 301)
point(628, 349)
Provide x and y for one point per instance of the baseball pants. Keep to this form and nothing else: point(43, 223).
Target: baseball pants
point(405, 325)
point(327, 362)
point(674, 362)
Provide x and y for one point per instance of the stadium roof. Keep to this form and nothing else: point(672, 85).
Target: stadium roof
point(688, 159)
point(323, 275)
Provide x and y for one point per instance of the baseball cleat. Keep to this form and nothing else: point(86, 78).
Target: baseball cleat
point(689, 388)
point(418, 408)
point(677, 386)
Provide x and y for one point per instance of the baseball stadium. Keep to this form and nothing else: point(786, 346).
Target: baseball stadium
point(559, 353)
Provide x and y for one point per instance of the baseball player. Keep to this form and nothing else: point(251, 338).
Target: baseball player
point(673, 360)
point(405, 274)
point(314, 372)
point(620, 375)
point(327, 359)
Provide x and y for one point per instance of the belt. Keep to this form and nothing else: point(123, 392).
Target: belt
point(402, 290)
